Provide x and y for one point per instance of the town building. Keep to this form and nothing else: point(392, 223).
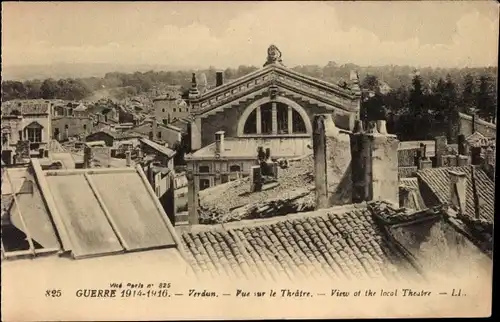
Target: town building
point(163, 155)
point(273, 102)
point(170, 107)
point(26, 120)
point(158, 131)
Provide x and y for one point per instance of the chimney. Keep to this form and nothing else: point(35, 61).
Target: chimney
point(332, 161)
point(87, 155)
point(255, 179)
point(219, 142)
point(458, 186)
point(423, 161)
point(462, 145)
point(462, 160)
point(374, 166)
point(381, 127)
point(154, 127)
point(475, 155)
point(219, 78)
point(441, 149)
point(128, 158)
point(489, 156)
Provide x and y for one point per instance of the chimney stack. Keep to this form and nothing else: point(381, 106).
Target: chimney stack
point(462, 145)
point(441, 149)
point(423, 162)
point(374, 166)
point(219, 78)
point(476, 155)
point(381, 127)
point(128, 158)
point(332, 161)
point(154, 128)
point(219, 142)
point(458, 186)
point(255, 178)
point(87, 156)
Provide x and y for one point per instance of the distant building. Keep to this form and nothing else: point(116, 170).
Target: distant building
point(169, 107)
point(229, 158)
point(26, 120)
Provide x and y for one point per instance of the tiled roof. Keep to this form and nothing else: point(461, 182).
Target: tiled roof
point(438, 181)
point(26, 107)
point(405, 172)
point(162, 149)
point(342, 242)
point(247, 148)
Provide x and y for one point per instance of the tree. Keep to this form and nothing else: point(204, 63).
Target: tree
point(450, 106)
point(49, 88)
point(417, 105)
point(486, 103)
point(371, 83)
point(468, 94)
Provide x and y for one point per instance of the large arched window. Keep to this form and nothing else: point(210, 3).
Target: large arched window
point(274, 118)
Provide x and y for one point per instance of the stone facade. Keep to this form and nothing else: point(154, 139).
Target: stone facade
point(271, 102)
point(64, 127)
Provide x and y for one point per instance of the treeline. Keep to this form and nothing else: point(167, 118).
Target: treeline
point(132, 83)
point(424, 110)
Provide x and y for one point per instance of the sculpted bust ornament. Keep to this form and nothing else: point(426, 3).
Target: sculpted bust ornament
point(273, 55)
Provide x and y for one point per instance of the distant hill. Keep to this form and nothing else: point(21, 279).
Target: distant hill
point(78, 70)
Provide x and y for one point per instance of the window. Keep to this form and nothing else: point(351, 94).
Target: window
point(204, 184)
point(224, 178)
point(5, 138)
point(34, 135)
point(282, 116)
point(158, 135)
point(85, 127)
point(204, 169)
point(235, 168)
point(251, 123)
point(298, 123)
point(20, 135)
point(66, 126)
point(163, 110)
point(266, 118)
point(175, 110)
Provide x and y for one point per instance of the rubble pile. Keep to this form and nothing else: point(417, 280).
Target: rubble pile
point(234, 201)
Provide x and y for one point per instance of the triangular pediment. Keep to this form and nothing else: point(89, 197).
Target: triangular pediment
point(275, 78)
point(34, 125)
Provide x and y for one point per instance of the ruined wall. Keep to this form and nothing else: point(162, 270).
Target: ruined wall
point(384, 172)
point(69, 126)
point(332, 163)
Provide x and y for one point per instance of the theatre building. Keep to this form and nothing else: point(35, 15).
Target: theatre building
point(272, 107)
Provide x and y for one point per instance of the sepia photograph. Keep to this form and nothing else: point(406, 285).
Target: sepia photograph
point(194, 160)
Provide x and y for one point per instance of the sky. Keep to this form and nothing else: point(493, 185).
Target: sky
point(229, 34)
